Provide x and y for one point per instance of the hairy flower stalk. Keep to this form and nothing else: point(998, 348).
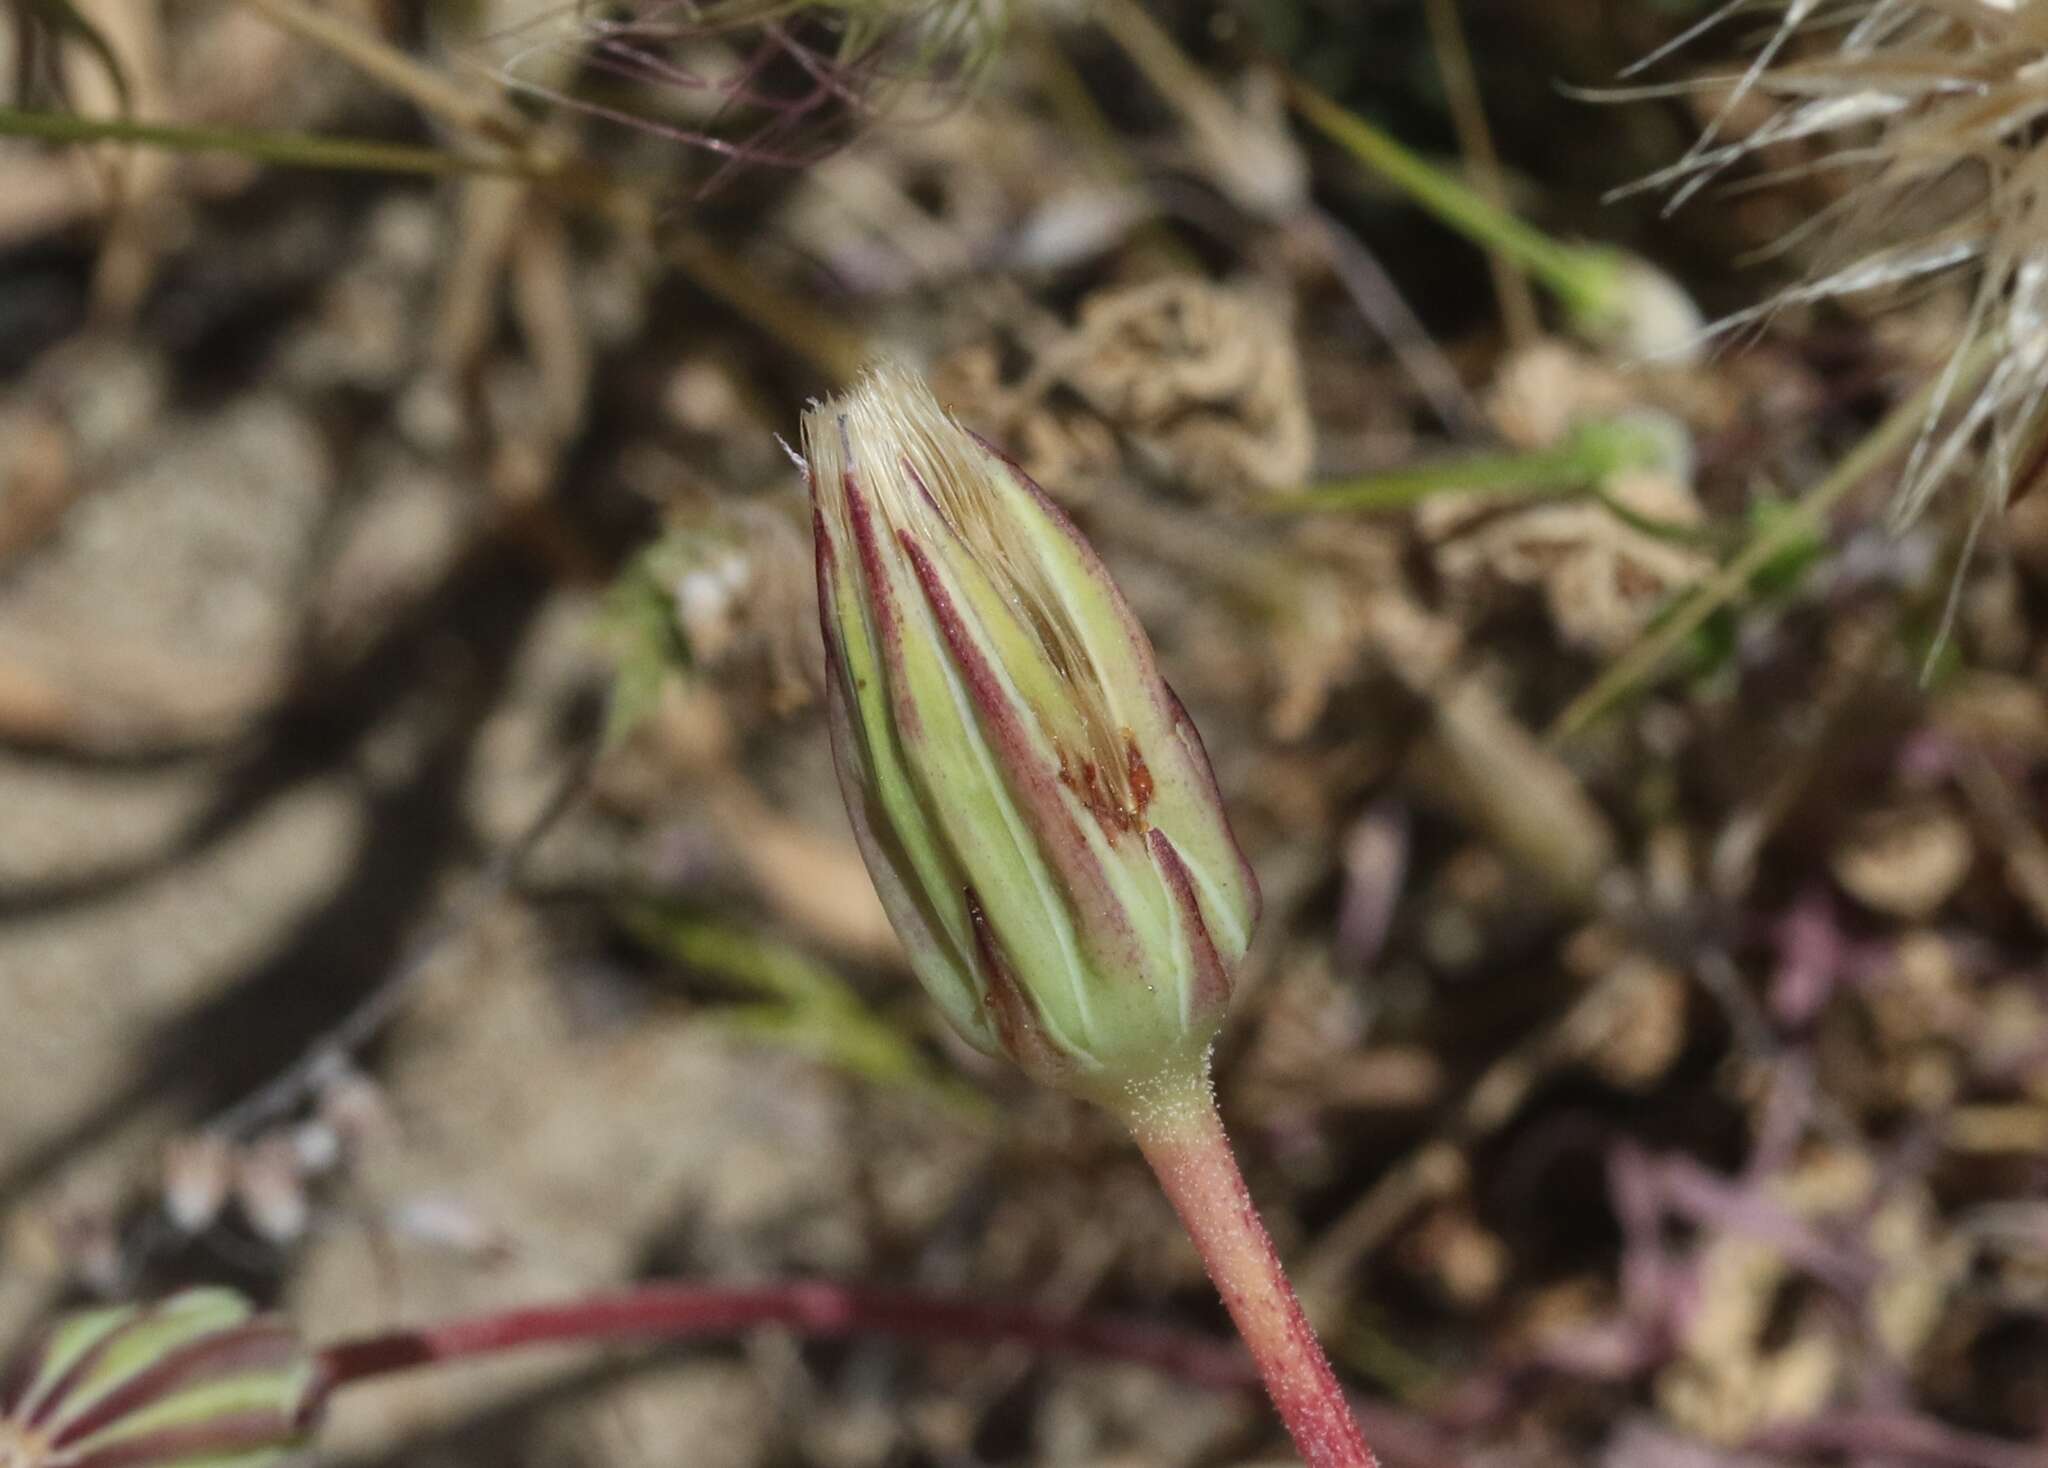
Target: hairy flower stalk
point(1041, 821)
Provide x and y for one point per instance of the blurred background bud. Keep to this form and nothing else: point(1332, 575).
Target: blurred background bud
point(196, 1379)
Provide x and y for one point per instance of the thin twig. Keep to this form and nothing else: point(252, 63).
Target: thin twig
point(823, 339)
point(1386, 311)
point(2004, 810)
point(1482, 163)
point(471, 111)
point(578, 178)
point(300, 150)
point(815, 1308)
point(1437, 1168)
point(383, 1003)
point(1898, 1437)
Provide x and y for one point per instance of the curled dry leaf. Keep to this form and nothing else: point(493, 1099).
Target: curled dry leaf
point(1055, 442)
point(1905, 861)
point(1920, 1265)
point(1647, 1028)
point(1202, 379)
point(1206, 378)
point(917, 207)
point(1923, 995)
point(1603, 569)
point(1322, 632)
point(1463, 1261)
point(1995, 711)
point(1739, 1367)
point(1539, 393)
point(1602, 579)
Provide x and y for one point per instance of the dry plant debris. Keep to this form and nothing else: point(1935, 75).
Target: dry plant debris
point(1669, 1095)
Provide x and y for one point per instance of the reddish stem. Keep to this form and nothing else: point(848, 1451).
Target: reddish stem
point(813, 1308)
point(1183, 1138)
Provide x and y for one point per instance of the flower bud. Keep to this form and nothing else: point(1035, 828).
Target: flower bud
point(1634, 310)
point(195, 1381)
point(1033, 803)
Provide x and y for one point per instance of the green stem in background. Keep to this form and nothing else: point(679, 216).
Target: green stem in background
point(298, 150)
point(1584, 279)
point(1889, 439)
point(1592, 454)
point(1182, 1137)
point(800, 1005)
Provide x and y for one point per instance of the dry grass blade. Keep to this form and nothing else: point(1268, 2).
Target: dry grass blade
point(295, 150)
point(66, 21)
point(1926, 113)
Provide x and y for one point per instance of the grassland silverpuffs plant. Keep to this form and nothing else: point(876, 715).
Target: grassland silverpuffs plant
point(1041, 821)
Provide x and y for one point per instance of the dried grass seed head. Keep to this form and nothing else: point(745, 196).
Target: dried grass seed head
point(775, 82)
point(1935, 115)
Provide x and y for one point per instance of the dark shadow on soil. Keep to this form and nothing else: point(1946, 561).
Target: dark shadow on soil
point(475, 624)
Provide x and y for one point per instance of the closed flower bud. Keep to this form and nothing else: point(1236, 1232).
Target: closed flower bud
point(1033, 803)
point(195, 1381)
